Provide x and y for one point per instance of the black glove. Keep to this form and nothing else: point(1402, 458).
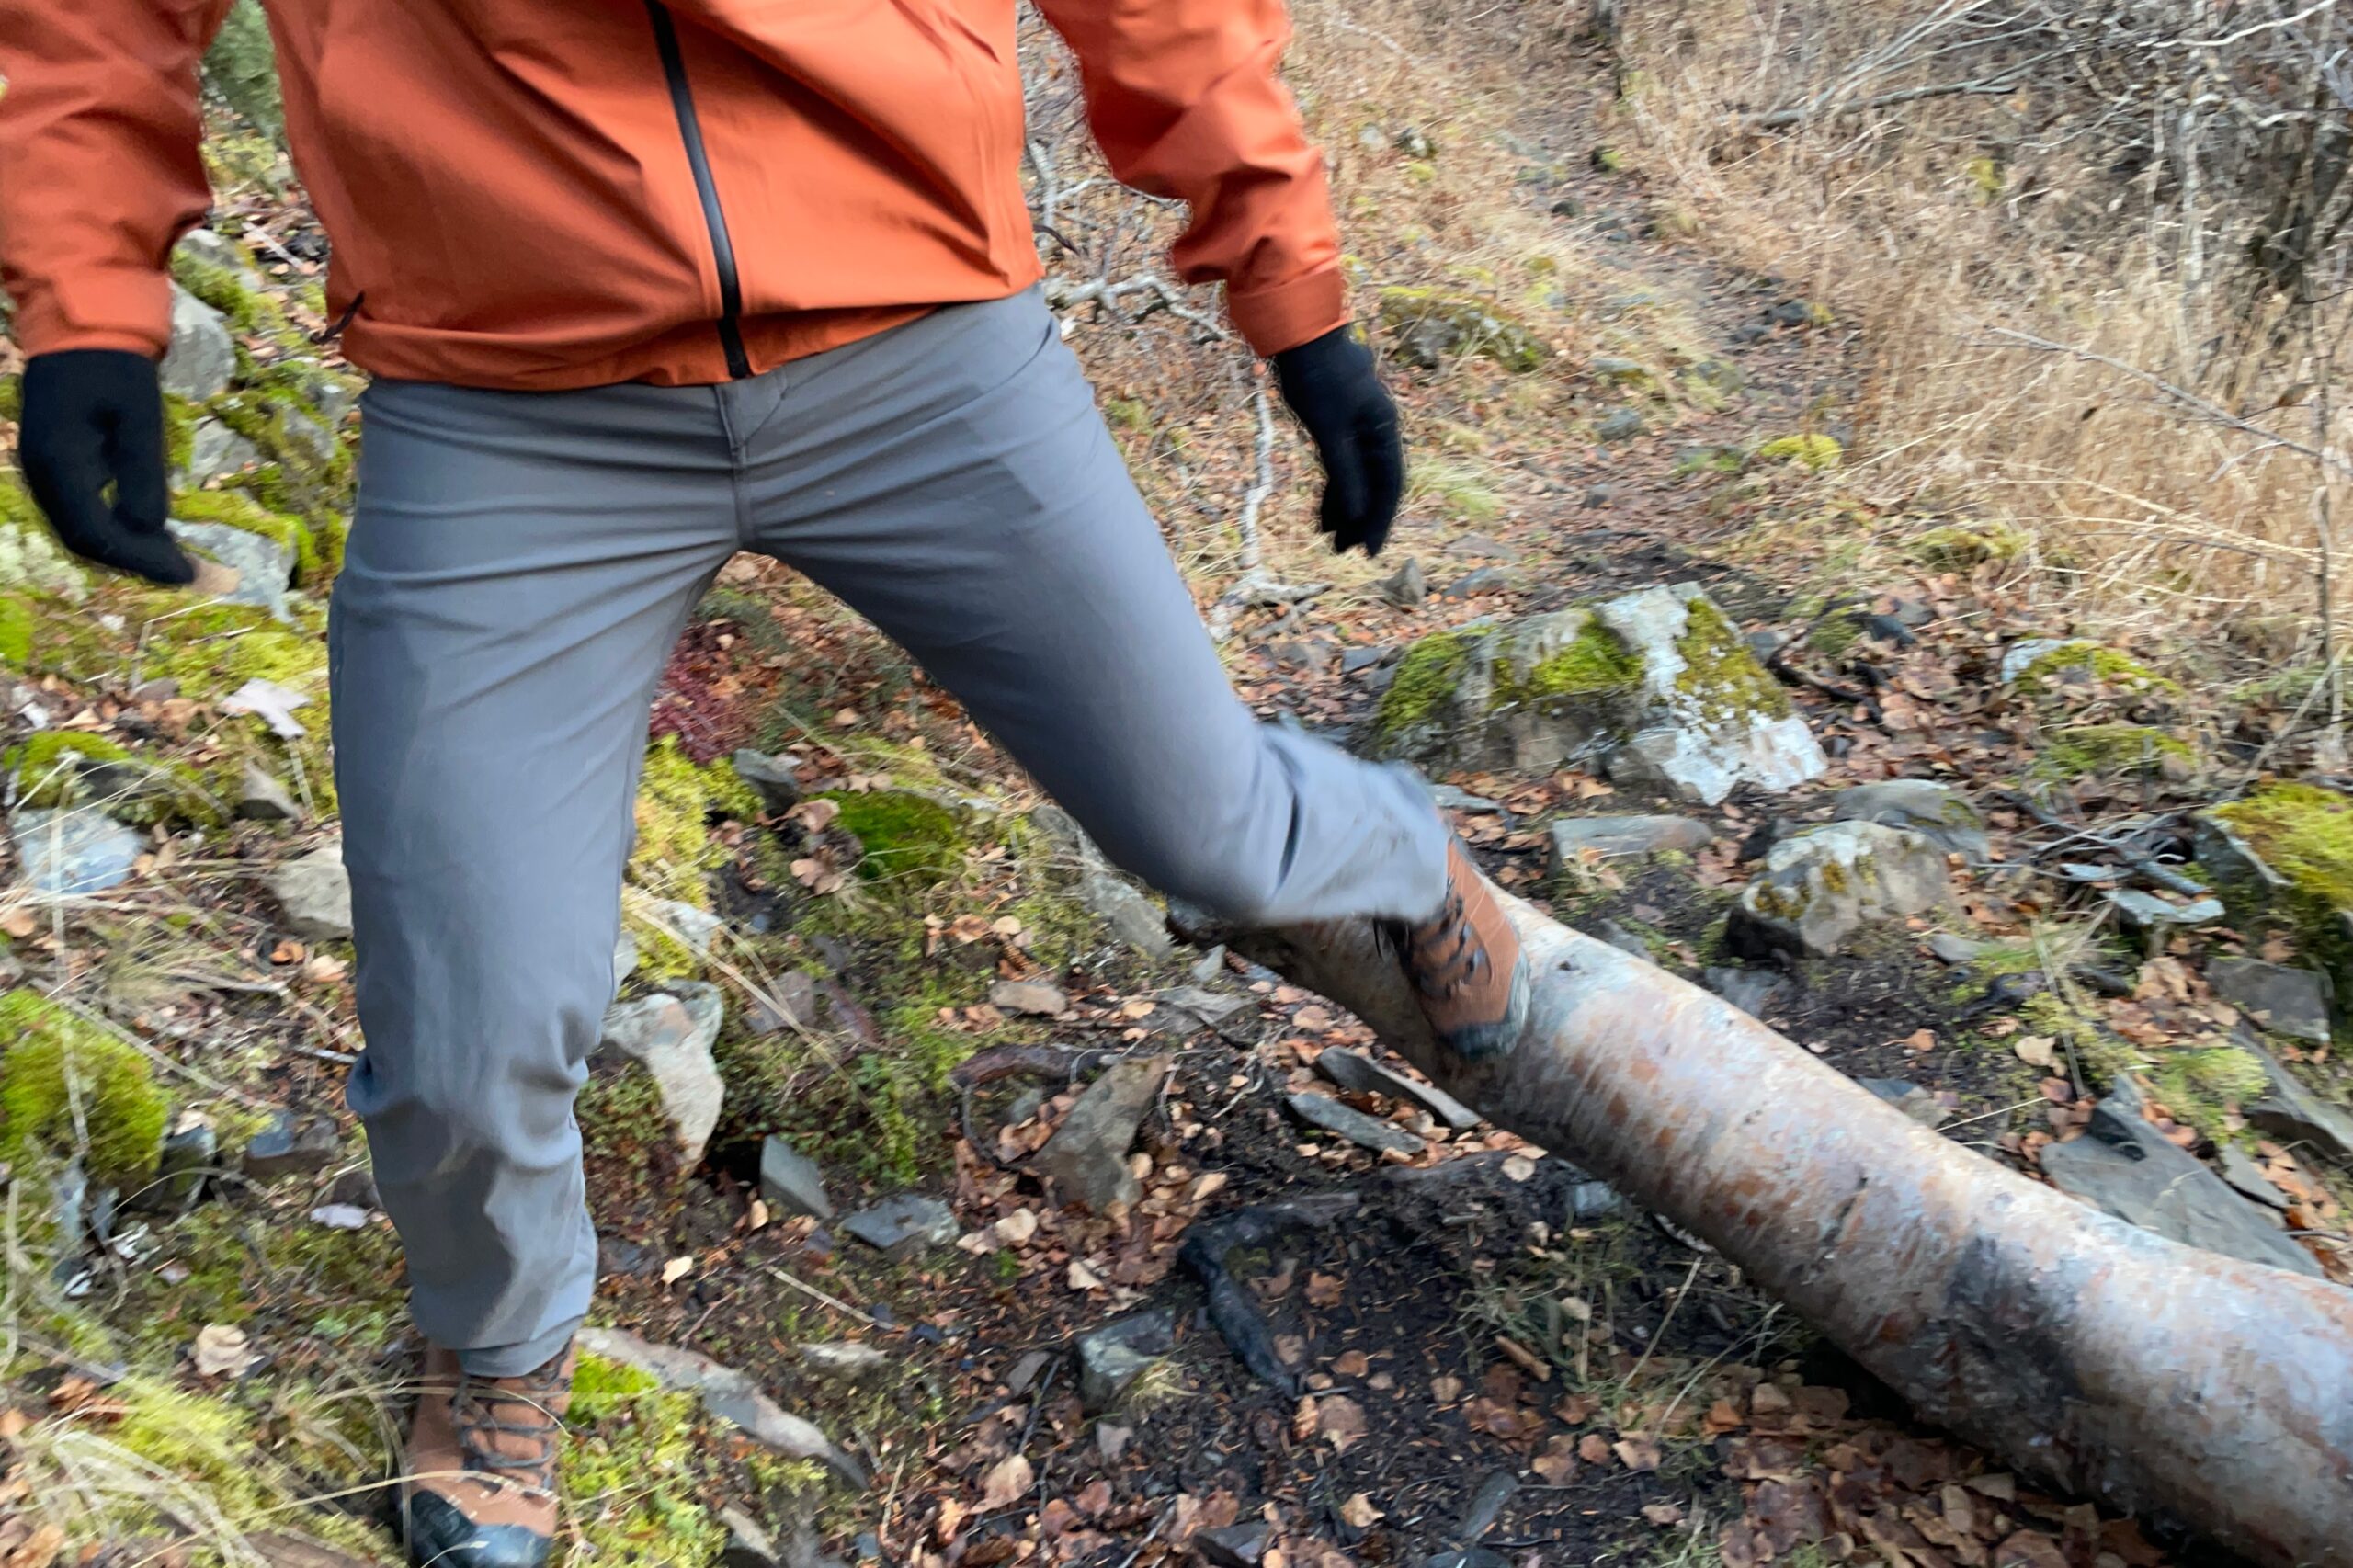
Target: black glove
point(94, 417)
point(1331, 386)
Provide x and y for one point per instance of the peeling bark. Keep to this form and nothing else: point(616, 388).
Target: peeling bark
point(2173, 1383)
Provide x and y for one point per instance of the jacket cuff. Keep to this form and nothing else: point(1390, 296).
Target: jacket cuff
point(127, 309)
point(1271, 320)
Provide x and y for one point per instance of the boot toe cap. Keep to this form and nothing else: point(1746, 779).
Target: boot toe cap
point(439, 1535)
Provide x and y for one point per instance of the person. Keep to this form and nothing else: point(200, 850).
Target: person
point(641, 283)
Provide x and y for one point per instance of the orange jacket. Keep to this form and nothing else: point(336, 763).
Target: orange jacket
point(540, 196)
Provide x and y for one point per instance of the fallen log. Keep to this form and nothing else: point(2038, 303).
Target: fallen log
point(2178, 1385)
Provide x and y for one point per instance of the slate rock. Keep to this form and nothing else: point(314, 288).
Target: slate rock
point(1750, 990)
point(1406, 586)
point(262, 797)
point(2292, 1113)
point(2124, 1166)
point(287, 1146)
point(1111, 1357)
point(202, 358)
point(905, 1224)
point(1485, 580)
point(1951, 948)
point(727, 1394)
point(1454, 797)
point(314, 891)
point(216, 249)
point(791, 1181)
point(671, 1033)
point(1822, 888)
point(695, 929)
point(1921, 1105)
point(2158, 916)
point(791, 1003)
point(1355, 659)
point(2247, 1178)
point(1361, 1075)
point(214, 449)
point(1184, 1008)
point(264, 568)
point(1033, 998)
point(191, 1152)
point(2281, 998)
point(773, 779)
point(1086, 1159)
point(1620, 425)
point(72, 850)
point(1128, 914)
point(1938, 812)
point(1365, 1131)
point(844, 1357)
point(1614, 835)
point(1242, 1545)
point(749, 1544)
point(1591, 1200)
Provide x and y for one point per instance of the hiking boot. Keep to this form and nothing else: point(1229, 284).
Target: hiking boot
point(1466, 961)
point(480, 1487)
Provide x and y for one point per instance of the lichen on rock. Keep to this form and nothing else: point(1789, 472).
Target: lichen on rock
point(2282, 859)
point(1823, 888)
point(2115, 751)
point(1430, 325)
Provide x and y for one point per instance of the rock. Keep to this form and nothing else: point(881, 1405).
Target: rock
point(1622, 939)
point(670, 1032)
point(1361, 1075)
point(1613, 835)
point(2247, 1178)
point(202, 358)
point(1426, 327)
point(1953, 948)
point(773, 779)
point(1032, 998)
point(905, 1224)
point(624, 959)
point(1406, 586)
point(1453, 797)
point(1485, 580)
point(1185, 1008)
point(214, 449)
point(1242, 1545)
point(1620, 425)
point(340, 1216)
point(1750, 990)
point(1086, 1159)
point(1624, 371)
point(1110, 897)
point(314, 891)
point(1365, 1131)
point(1111, 1357)
point(844, 1357)
point(2123, 1166)
point(748, 1544)
point(726, 1393)
point(1656, 682)
point(261, 797)
point(791, 1181)
point(1480, 547)
point(191, 1152)
point(2158, 916)
point(1909, 1098)
point(1355, 659)
point(1591, 1200)
point(1938, 812)
point(790, 1002)
point(264, 567)
point(694, 929)
point(2282, 999)
point(1821, 887)
point(1795, 312)
point(72, 850)
point(2293, 1114)
point(216, 249)
point(289, 1147)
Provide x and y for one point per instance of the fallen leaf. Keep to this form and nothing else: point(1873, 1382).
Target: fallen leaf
point(1637, 1453)
point(1017, 1227)
point(1558, 1463)
point(678, 1268)
point(2030, 1549)
point(2036, 1050)
point(221, 1350)
point(1352, 1363)
point(1007, 1481)
point(18, 923)
point(1577, 1409)
point(1324, 1289)
point(1594, 1449)
point(1205, 1185)
point(952, 1518)
point(758, 1215)
point(1313, 1019)
point(1358, 1511)
point(1663, 1514)
point(1518, 1168)
point(1082, 1278)
point(1920, 1040)
point(1445, 1391)
point(1340, 1421)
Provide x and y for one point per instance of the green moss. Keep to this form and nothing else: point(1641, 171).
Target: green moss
point(1427, 677)
point(213, 649)
point(2204, 1087)
point(1833, 634)
point(2305, 834)
point(631, 1470)
point(1958, 547)
point(2103, 1056)
point(2114, 751)
point(15, 631)
point(1595, 660)
point(236, 509)
point(1985, 174)
point(31, 557)
point(180, 415)
point(1464, 491)
point(48, 764)
point(1817, 453)
point(908, 838)
point(250, 310)
point(677, 800)
point(1720, 678)
point(53, 1064)
point(2069, 662)
point(1429, 323)
point(12, 398)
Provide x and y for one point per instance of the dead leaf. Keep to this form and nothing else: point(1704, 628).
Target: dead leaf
point(1358, 1511)
point(18, 923)
point(1082, 1278)
point(1920, 1040)
point(2036, 1050)
point(1017, 1227)
point(1663, 1514)
point(2030, 1549)
point(952, 1518)
point(678, 1268)
point(1518, 1168)
point(1637, 1453)
point(1324, 1289)
point(1558, 1463)
point(1205, 1185)
point(1352, 1363)
point(1577, 1409)
point(757, 1216)
point(221, 1350)
point(1313, 1019)
point(1007, 1481)
point(1340, 1421)
point(1594, 1449)
point(1445, 1391)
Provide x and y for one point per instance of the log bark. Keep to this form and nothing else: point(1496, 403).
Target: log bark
point(2175, 1384)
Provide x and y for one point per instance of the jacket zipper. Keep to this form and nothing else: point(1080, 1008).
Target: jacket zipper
point(723, 250)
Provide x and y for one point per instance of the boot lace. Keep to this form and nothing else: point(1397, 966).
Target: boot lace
point(476, 1411)
point(1449, 958)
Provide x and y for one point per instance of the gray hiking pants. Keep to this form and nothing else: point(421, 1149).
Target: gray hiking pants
point(520, 568)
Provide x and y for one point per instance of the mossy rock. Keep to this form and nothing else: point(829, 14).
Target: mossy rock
point(61, 1078)
point(2282, 859)
point(1428, 326)
point(15, 631)
point(238, 509)
point(12, 398)
point(213, 649)
point(2076, 673)
point(2206, 1087)
point(911, 841)
point(31, 561)
point(1962, 547)
point(63, 767)
point(1817, 454)
point(2115, 751)
point(679, 800)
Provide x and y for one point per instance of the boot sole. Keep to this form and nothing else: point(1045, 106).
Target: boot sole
point(1486, 1042)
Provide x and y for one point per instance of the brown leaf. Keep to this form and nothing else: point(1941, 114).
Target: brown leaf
point(1324, 1289)
point(1352, 1363)
point(1094, 1497)
point(1007, 1481)
point(1637, 1453)
point(18, 923)
point(1594, 1449)
point(2030, 1549)
point(1445, 1391)
point(1558, 1463)
point(1663, 1514)
point(222, 1351)
point(1358, 1511)
point(1340, 1421)
point(1723, 1417)
point(1577, 1409)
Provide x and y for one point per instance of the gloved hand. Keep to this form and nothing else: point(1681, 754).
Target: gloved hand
point(1330, 384)
point(92, 415)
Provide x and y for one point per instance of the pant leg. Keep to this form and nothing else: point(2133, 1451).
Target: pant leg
point(953, 482)
point(519, 569)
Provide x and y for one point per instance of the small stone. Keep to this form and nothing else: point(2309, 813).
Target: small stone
point(773, 779)
point(214, 449)
point(191, 1151)
point(1111, 1357)
point(1792, 313)
point(202, 358)
point(2147, 911)
point(74, 850)
point(907, 1223)
point(695, 929)
point(1185, 1008)
point(340, 1216)
point(1620, 425)
point(1951, 948)
point(2248, 1176)
point(1909, 1098)
point(2290, 1112)
point(163, 688)
point(1613, 835)
point(1406, 586)
point(624, 959)
point(1591, 1200)
point(1750, 990)
point(261, 797)
point(1111, 1440)
point(314, 891)
point(289, 1147)
point(1240, 1545)
point(1361, 1075)
point(264, 567)
point(1453, 797)
point(216, 249)
point(1086, 1160)
point(355, 1186)
point(671, 1032)
point(1753, 332)
point(1485, 580)
point(1412, 141)
point(1131, 916)
point(1938, 812)
point(1480, 547)
point(791, 1181)
point(748, 1545)
point(1026, 1105)
point(844, 1357)
point(1030, 997)
point(1819, 889)
point(1365, 1131)
point(1355, 659)
point(790, 1001)
point(2283, 999)
point(1019, 1380)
